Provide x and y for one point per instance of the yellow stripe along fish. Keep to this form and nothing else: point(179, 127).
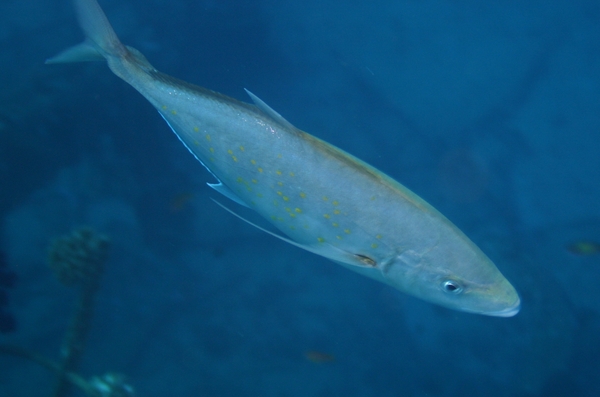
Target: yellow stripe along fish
point(323, 199)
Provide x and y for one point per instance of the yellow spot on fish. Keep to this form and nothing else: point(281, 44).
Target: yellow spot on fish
point(279, 156)
point(280, 219)
point(234, 158)
point(240, 179)
point(280, 183)
point(373, 198)
point(230, 151)
point(253, 161)
point(173, 112)
point(292, 215)
point(337, 212)
point(338, 237)
point(320, 239)
point(335, 203)
point(292, 174)
point(334, 224)
point(196, 129)
point(302, 194)
point(326, 216)
point(325, 198)
point(212, 159)
point(260, 170)
point(298, 210)
point(374, 245)
point(288, 209)
point(208, 137)
point(254, 181)
point(248, 188)
point(378, 236)
point(259, 194)
point(347, 231)
point(196, 142)
point(278, 172)
point(242, 148)
point(164, 107)
point(212, 150)
point(279, 193)
point(286, 198)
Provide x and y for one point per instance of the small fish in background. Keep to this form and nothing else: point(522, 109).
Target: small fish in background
point(584, 248)
point(180, 202)
point(318, 357)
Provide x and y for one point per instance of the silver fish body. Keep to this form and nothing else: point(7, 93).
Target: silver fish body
point(322, 198)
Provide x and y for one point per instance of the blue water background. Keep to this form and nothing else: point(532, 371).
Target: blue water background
point(489, 110)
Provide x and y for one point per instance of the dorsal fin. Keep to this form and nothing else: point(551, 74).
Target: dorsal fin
point(269, 111)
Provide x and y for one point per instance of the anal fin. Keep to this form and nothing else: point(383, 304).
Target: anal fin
point(325, 250)
point(227, 192)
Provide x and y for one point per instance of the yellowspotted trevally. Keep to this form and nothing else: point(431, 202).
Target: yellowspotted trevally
point(323, 199)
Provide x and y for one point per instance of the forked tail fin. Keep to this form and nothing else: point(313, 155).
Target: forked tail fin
point(100, 42)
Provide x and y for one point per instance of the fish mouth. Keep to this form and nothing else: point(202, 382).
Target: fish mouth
point(509, 311)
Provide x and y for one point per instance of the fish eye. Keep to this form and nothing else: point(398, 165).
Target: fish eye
point(452, 287)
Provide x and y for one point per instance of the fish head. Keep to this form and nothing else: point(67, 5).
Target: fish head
point(456, 275)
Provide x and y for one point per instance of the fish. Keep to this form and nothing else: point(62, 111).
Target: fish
point(317, 357)
point(584, 248)
point(180, 202)
point(319, 197)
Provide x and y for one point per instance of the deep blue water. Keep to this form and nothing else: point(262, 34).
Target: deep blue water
point(488, 110)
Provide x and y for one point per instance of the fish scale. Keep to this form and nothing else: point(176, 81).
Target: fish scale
point(321, 198)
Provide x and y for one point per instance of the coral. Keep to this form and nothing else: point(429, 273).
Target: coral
point(107, 385)
point(79, 257)
point(77, 260)
point(111, 385)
